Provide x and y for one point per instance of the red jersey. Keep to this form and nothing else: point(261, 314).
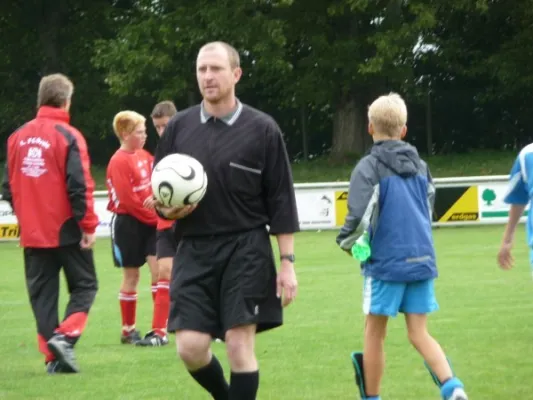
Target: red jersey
point(163, 224)
point(48, 181)
point(128, 184)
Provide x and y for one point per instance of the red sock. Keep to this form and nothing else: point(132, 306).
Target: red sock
point(154, 291)
point(74, 325)
point(128, 308)
point(161, 306)
point(43, 348)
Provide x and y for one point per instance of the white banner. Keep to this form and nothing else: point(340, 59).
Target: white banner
point(104, 216)
point(492, 208)
point(316, 208)
point(8, 222)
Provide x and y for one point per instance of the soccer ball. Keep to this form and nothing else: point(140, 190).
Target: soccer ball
point(179, 180)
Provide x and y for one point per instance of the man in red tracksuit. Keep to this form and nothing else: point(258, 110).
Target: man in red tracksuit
point(48, 183)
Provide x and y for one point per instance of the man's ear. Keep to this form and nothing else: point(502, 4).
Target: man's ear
point(237, 73)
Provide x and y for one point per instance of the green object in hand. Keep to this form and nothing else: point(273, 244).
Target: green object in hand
point(361, 248)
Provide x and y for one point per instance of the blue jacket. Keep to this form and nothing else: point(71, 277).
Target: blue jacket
point(391, 196)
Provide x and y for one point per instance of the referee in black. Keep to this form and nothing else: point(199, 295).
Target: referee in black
point(224, 280)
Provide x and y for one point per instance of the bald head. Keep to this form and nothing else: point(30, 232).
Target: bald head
point(222, 47)
point(218, 71)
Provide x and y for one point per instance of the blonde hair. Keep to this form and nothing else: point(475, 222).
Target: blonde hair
point(388, 114)
point(126, 121)
point(54, 91)
point(233, 54)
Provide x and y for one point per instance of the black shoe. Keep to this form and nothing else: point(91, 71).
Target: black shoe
point(64, 353)
point(357, 361)
point(131, 338)
point(54, 367)
point(152, 339)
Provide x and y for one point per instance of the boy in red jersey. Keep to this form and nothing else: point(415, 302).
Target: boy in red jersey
point(133, 226)
point(166, 246)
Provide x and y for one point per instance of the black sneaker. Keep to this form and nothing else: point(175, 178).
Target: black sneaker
point(54, 367)
point(152, 340)
point(64, 353)
point(131, 338)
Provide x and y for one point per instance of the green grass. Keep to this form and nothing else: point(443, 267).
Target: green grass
point(327, 170)
point(484, 324)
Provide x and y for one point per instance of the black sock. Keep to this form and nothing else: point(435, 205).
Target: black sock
point(211, 378)
point(243, 385)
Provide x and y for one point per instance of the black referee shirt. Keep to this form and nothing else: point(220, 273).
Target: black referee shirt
point(249, 175)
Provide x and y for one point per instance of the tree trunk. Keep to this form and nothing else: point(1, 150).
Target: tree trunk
point(349, 129)
point(429, 125)
point(49, 35)
point(305, 139)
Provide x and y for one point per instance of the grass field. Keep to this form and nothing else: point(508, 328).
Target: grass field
point(485, 325)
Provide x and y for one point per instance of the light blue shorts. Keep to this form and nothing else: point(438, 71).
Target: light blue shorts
point(389, 298)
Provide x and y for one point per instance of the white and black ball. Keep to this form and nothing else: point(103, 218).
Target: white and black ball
point(179, 180)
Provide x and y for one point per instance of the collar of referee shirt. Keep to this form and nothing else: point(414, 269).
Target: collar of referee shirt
point(228, 119)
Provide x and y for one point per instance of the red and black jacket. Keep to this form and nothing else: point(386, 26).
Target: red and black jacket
point(48, 182)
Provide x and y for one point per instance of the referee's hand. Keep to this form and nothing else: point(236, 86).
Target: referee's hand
point(287, 285)
point(175, 212)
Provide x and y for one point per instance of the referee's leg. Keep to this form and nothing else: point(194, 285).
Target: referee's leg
point(193, 315)
point(42, 268)
point(249, 305)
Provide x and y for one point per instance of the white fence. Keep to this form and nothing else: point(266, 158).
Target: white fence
point(472, 200)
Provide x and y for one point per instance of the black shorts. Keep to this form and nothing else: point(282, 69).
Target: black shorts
point(131, 240)
point(166, 243)
point(221, 282)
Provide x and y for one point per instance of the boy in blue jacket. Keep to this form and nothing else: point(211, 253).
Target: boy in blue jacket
point(391, 197)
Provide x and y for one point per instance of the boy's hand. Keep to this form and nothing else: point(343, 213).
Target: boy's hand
point(505, 258)
point(150, 203)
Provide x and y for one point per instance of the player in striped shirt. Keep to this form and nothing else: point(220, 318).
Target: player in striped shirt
point(518, 197)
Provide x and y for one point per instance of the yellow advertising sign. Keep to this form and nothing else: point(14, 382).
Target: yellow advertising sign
point(9, 231)
point(464, 208)
point(341, 207)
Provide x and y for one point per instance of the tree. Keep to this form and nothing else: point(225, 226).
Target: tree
point(488, 196)
point(41, 38)
point(347, 52)
point(154, 54)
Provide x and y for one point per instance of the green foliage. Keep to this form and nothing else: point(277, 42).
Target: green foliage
point(303, 62)
point(154, 54)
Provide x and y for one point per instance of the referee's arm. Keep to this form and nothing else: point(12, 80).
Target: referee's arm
point(279, 188)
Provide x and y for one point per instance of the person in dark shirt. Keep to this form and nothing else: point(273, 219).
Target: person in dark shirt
point(224, 282)
point(166, 246)
point(48, 184)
